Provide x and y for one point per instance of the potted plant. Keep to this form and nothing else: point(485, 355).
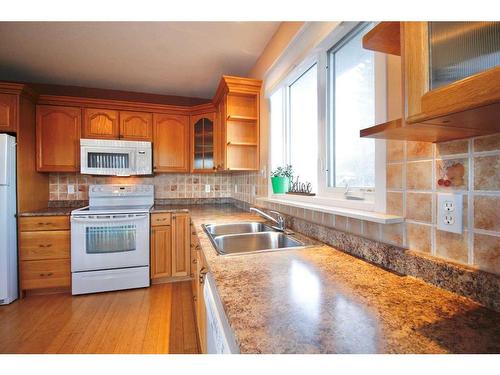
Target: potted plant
point(280, 179)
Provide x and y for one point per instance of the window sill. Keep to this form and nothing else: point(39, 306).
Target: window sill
point(359, 214)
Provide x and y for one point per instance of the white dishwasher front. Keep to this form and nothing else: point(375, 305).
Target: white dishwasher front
point(220, 337)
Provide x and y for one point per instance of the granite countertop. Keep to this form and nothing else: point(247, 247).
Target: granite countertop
point(48, 211)
point(159, 208)
point(321, 300)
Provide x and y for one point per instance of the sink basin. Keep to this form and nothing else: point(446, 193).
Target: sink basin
point(252, 242)
point(236, 228)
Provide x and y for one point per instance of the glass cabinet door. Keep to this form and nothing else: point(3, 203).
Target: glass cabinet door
point(204, 144)
point(461, 49)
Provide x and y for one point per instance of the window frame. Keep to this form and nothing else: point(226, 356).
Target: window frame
point(334, 196)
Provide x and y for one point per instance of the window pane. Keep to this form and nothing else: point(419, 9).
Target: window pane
point(304, 127)
point(353, 108)
point(277, 129)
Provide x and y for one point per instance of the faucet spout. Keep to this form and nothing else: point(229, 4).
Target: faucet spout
point(279, 220)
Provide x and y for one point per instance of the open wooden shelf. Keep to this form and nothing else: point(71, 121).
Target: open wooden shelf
point(398, 130)
point(230, 143)
point(241, 118)
point(385, 37)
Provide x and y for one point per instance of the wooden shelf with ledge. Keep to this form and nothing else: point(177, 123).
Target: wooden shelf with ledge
point(399, 130)
point(241, 118)
point(384, 37)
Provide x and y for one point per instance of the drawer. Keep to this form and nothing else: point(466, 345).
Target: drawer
point(44, 245)
point(160, 219)
point(37, 274)
point(34, 223)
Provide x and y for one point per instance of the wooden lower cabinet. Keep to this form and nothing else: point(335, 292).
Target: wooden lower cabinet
point(44, 252)
point(181, 238)
point(161, 252)
point(170, 246)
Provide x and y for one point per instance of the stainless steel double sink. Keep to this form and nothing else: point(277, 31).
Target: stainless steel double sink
point(242, 238)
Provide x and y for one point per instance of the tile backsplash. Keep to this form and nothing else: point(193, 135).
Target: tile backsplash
point(166, 185)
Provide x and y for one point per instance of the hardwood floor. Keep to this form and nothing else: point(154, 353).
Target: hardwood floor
point(159, 319)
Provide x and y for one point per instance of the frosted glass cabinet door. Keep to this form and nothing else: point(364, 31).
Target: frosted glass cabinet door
point(203, 144)
point(461, 49)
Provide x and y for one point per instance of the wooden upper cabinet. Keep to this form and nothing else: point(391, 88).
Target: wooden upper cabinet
point(449, 76)
point(58, 138)
point(8, 112)
point(181, 249)
point(100, 123)
point(170, 143)
point(238, 117)
point(136, 126)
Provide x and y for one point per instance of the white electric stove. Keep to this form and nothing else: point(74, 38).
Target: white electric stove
point(110, 239)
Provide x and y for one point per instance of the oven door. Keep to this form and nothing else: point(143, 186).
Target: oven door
point(111, 161)
point(100, 242)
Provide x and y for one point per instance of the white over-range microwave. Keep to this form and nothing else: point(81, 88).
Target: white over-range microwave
point(115, 158)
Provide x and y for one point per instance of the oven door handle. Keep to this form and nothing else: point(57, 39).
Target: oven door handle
point(109, 220)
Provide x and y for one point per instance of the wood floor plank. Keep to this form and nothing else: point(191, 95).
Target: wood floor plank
point(176, 322)
point(133, 321)
point(158, 328)
point(189, 326)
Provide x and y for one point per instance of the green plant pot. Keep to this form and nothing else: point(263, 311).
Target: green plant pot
point(280, 184)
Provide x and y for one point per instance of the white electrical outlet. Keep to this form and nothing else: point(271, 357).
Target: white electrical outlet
point(254, 191)
point(207, 188)
point(449, 212)
point(235, 188)
point(71, 189)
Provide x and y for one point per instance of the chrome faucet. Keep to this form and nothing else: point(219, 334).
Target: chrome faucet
point(279, 220)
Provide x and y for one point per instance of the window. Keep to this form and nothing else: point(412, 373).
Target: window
point(303, 126)
point(351, 159)
point(277, 149)
point(294, 129)
point(317, 112)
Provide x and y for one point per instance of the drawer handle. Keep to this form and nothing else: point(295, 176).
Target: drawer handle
point(195, 261)
point(48, 245)
point(46, 274)
point(161, 219)
point(44, 223)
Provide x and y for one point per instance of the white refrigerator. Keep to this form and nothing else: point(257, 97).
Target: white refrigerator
point(8, 223)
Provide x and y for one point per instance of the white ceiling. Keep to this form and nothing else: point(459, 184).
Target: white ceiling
point(175, 58)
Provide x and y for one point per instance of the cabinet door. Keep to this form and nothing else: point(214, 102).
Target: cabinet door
point(8, 112)
point(161, 252)
point(204, 143)
point(100, 123)
point(181, 256)
point(58, 138)
point(136, 126)
point(171, 143)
